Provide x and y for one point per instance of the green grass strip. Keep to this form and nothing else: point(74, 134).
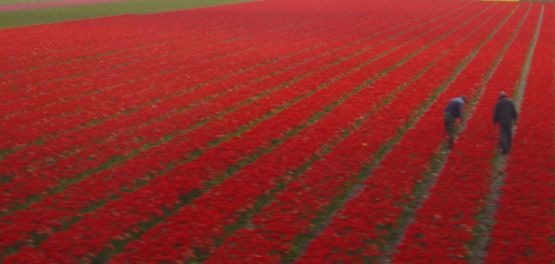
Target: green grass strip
point(12, 2)
point(19, 18)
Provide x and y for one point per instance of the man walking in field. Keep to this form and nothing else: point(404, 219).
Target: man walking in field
point(504, 115)
point(454, 110)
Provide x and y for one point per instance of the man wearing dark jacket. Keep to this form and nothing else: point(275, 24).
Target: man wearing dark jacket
point(505, 115)
point(454, 110)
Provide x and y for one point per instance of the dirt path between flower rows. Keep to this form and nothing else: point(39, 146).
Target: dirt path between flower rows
point(56, 3)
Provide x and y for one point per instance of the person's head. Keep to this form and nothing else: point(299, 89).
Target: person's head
point(464, 98)
point(502, 95)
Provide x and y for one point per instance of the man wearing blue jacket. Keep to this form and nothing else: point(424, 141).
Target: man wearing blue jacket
point(454, 110)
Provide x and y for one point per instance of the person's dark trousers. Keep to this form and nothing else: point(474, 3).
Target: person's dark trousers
point(505, 138)
point(449, 122)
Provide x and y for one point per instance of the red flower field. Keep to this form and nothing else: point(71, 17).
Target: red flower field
point(279, 131)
